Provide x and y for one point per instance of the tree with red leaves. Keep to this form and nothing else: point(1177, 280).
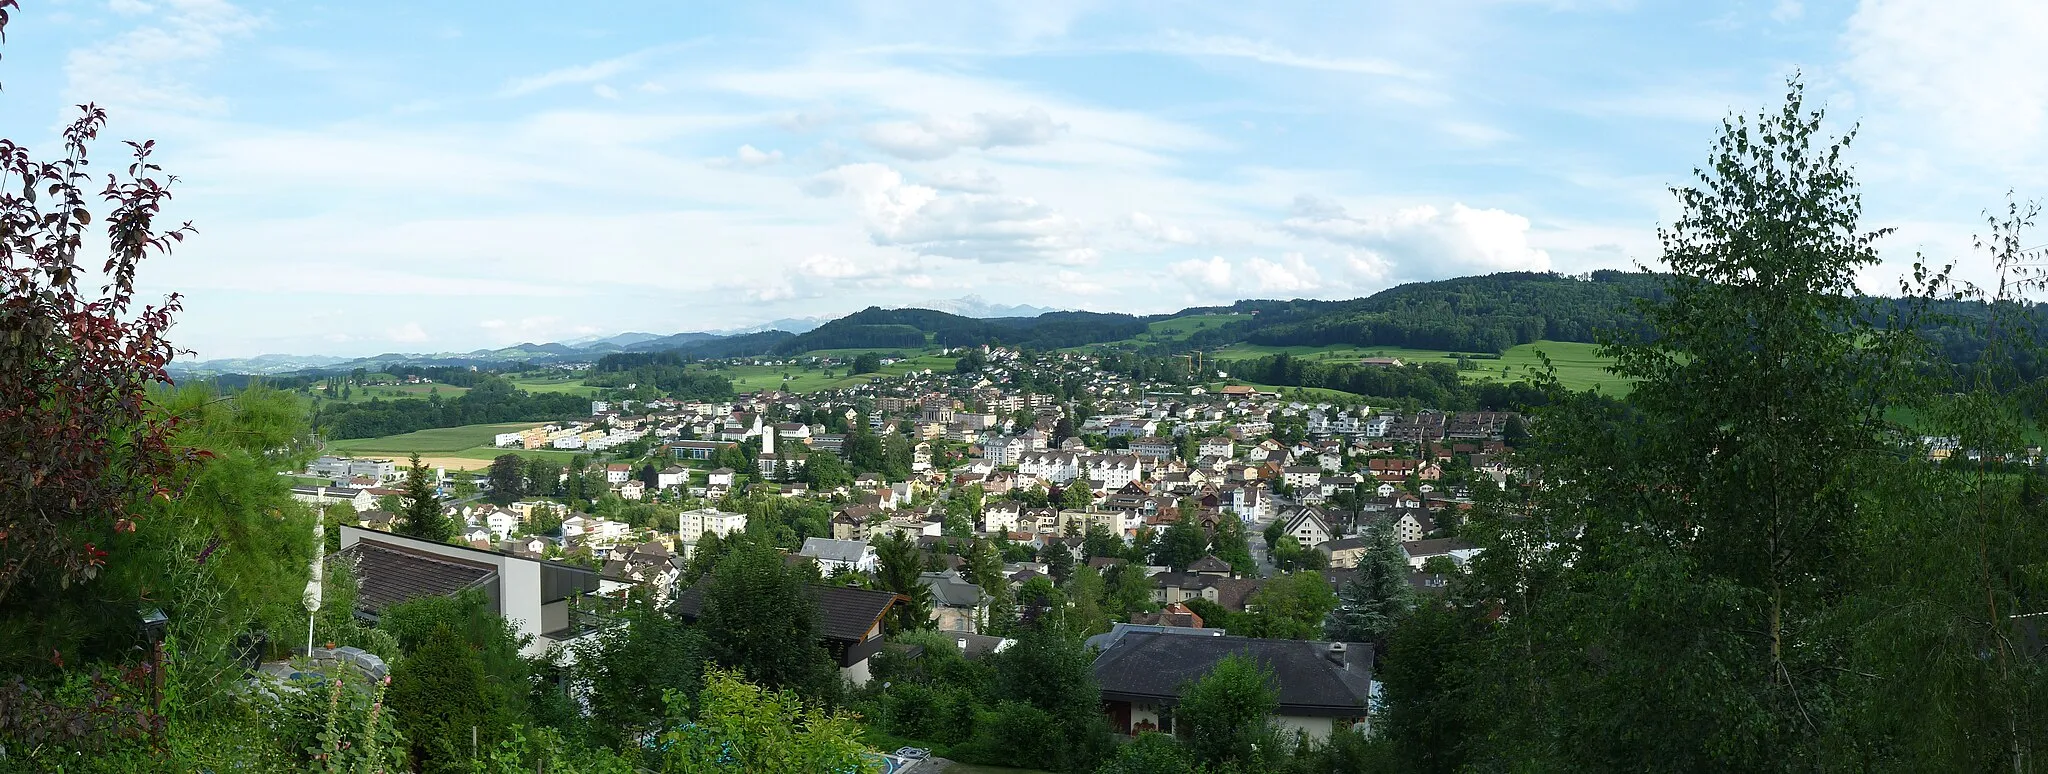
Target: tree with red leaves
point(79, 447)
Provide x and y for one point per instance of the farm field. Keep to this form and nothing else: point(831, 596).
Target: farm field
point(455, 448)
point(1178, 328)
point(1579, 365)
point(361, 394)
point(439, 439)
point(1321, 393)
point(750, 378)
point(570, 385)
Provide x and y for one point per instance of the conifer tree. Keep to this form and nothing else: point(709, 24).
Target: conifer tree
point(1377, 597)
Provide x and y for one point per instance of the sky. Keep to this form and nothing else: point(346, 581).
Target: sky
point(371, 177)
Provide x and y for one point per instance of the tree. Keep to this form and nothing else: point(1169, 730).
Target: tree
point(1292, 606)
point(546, 520)
point(1129, 591)
point(899, 565)
point(543, 478)
point(1099, 541)
point(423, 518)
point(438, 699)
point(867, 363)
point(1087, 615)
point(1059, 561)
point(79, 445)
point(1181, 544)
point(1076, 497)
point(626, 670)
point(742, 726)
point(1230, 544)
point(1224, 715)
point(1377, 597)
point(824, 471)
point(759, 617)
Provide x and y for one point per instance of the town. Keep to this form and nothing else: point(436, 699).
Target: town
point(1210, 501)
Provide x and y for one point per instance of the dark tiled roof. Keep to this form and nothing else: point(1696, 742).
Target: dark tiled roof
point(843, 613)
point(388, 575)
point(1155, 665)
point(1209, 564)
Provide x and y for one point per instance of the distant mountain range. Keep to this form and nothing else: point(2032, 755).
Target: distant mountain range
point(730, 342)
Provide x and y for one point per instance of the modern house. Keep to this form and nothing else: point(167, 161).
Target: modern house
point(849, 620)
point(1323, 687)
point(533, 596)
point(956, 603)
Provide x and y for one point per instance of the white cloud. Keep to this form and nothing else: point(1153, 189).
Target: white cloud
point(1424, 241)
point(144, 67)
point(605, 90)
point(976, 227)
point(747, 156)
point(934, 138)
point(1152, 228)
point(1211, 276)
point(409, 333)
point(1787, 11)
point(579, 74)
point(1290, 274)
point(976, 180)
point(1074, 283)
point(1226, 46)
point(1975, 72)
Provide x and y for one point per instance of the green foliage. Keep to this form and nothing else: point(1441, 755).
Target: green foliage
point(759, 618)
point(1231, 545)
point(1223, 715)
point(422, 517)
point(1377, 597)
point(508, 478)
point(1151, 753)
point(743, 727)
point(1181, 544)
point(1291, 606)
point(439, 695)
point(626, 670)
point(898, 566)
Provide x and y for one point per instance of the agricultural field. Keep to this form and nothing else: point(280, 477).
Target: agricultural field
point(456, 448)
point(1179, 328)
point(1579, 365)
point(361, 393)
point(439, 439)
point(1318, 393)
point(750, 378)
point(571, 385)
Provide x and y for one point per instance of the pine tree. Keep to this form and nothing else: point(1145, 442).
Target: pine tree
point(1377, 597)
point(423, 516)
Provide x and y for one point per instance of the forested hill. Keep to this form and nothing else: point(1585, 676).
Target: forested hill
point(1488, 313)
point(877, 328)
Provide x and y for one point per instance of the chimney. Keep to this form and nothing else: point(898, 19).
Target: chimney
point(962, 642)
point(1335, 653)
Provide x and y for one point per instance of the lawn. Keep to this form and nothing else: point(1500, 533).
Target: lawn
point(1579, 365)
point(571, 385)
point(439, 439)
point(1315, 393)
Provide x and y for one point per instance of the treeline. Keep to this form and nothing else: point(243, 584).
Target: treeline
point(877, 328)
point(492, 399)
point(665, 371)
point(1483, 314)
point(1428, 384)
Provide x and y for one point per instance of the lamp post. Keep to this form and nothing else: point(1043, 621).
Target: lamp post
point(312, 597)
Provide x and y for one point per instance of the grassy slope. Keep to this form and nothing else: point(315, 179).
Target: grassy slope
point(571, 386)
point(359, 394)
point(1579, 366)
point(749, 378)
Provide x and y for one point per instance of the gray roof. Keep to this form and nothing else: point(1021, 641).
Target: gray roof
point(1153, 666)
point(950, 590)
point(849, 551)
point(1119, 629)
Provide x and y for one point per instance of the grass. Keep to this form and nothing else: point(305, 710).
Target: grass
point(750, 378)
point(361, 393)
point(1579, 365)
point(1179, 328)
point(571, 385)
point(1320, 393)
point(439, 439)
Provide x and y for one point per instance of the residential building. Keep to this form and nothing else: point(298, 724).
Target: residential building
point(693, 524)
point(531, 595)
point(834, 555)
point(850, 623)
point(957, 605)
point(1323, 687)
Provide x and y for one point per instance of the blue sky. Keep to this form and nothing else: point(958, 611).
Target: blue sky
point(372, 176)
